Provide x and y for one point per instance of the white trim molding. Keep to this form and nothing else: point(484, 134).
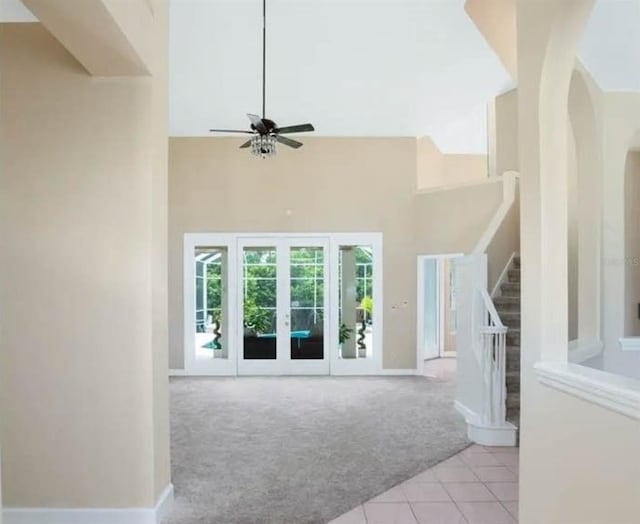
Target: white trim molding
point(92, 515)
point(461, 185)
point(612, 392)
point(504, 276)
point(508, 198)
point(582, 350)
point(630, 344)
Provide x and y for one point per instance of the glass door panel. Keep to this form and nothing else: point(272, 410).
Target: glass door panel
point(355, 296)
point(431, 320)
point(259, 303)
point(307, 306)
point(210, 315)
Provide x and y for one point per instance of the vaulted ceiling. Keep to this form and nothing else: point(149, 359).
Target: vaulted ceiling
point(359, 67)
point(352, 67)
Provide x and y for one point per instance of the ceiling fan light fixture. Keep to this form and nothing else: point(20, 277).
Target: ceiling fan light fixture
point(263, 145)
point(264, 131)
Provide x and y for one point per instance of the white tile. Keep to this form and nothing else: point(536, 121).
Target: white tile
point(494, 474)
point(469, 492)
point(355, 516)
point(504, 491)
point(389, 513)
point(503, 449)
point(425, 492)
point(485, 513)
point(476, 448)
point(461, 474)
point(453, 461)
point(394, 494)
point(507, 459)
point(481, 459)
point(426, 476)
point(437, 513)
point(512, 507)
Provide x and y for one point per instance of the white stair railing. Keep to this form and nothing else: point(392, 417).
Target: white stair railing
point(494, 361)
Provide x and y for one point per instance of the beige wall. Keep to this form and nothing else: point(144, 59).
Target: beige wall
point(575, 463)
point(506, 132)
point(496, 20)
point(436, 169)
point(632, 244)
point(585, 204)
point(83, 387)
point(452, 221)
point(331, 185)
point(583, 467)
point(505, 242)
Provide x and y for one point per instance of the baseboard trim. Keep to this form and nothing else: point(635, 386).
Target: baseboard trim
point(505, 435)
point(467, 414)
point(341, 373)
point(91, 515)
point(493, 435)
point(164, 503)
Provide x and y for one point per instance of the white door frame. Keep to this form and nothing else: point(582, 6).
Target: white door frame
point(371, 365)
point(420, 349)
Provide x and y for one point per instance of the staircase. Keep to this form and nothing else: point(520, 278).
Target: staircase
point(508, 307)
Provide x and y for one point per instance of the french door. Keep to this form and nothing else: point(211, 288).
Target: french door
point(283, 305)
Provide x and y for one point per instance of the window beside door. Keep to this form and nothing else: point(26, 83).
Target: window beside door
point(283, 304)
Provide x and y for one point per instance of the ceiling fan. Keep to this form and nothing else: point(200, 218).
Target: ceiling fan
point(266, 132)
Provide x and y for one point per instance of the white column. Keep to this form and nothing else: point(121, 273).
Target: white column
point(349, 300)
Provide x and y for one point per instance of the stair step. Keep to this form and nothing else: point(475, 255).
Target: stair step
point(513, 416)
point(510, 289)
point(507, 304)
point(511, 319)
point(514, 275)
point(516, 261)
point(513, 381)
point(513, 400)
point(513, 359)
point(513, 337)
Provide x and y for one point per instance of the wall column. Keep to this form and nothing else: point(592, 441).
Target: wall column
point(548, 33)
point(349, 297)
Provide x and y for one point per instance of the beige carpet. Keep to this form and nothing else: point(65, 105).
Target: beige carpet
point(302, 449)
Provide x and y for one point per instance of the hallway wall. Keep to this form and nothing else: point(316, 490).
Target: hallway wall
point(83, 387)
point(331, 185)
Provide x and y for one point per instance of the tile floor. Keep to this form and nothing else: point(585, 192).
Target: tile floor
point(477, 486)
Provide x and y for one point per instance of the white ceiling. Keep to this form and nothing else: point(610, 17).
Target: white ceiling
point(351, 67)
point(610, 45)
point(15, 11)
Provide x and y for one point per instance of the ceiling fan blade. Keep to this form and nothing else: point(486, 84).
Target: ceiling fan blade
point(258, 124)
point(288, 142)
point(230, 131)
point(296, 129)
point(246, 144)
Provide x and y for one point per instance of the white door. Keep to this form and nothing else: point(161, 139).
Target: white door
point(283, 295)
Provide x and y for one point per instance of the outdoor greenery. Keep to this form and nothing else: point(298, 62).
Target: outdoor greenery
point(307, 287)
point(345, 333)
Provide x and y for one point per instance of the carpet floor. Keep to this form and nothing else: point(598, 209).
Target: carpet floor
point(302, 449)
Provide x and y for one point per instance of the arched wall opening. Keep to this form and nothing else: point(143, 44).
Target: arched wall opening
point(632, 241)
point(583, 208)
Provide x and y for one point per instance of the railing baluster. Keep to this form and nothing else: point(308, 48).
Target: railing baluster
point(494, 335)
